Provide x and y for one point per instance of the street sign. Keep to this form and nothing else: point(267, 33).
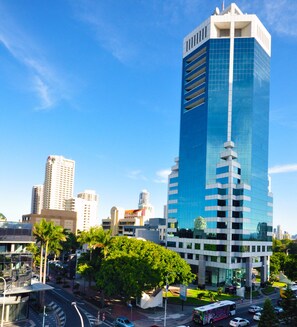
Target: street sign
point(183, 292)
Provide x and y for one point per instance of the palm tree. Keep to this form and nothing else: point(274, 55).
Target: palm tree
point(96, 237)
point(102, 241)
point(49, 236)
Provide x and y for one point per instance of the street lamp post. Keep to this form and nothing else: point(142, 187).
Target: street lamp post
point(80, 316)
point(165, 311)
point(3, 301)
point(43, 317)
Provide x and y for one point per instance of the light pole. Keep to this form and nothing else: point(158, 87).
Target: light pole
point(3, 301)
point(44, 315)
point(80, 316)
point(165, 311)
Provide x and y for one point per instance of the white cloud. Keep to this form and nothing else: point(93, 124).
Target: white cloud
point(162, 176)
point(136, 175)
point(277, 16)
point(283, 169)
point(45, 82)
point(43, 93)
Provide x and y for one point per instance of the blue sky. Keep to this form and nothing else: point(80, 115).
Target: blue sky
point(99, 82)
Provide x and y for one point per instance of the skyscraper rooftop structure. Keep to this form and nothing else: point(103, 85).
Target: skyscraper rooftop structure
point(219, 204)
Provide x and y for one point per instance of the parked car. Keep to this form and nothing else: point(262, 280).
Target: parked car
point(254, 309)
point(257, 316)
point(278, 310)
point(239, 322)
point(123, 322)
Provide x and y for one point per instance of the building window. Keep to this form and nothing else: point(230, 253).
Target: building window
point(223, 259)
point(180, 245)
point(190, 256)
point(236, 225)
point(221, 203)
point(197, 246)
point(221, 224)
point(189, 245)
point(210, 247)
point(221, 214)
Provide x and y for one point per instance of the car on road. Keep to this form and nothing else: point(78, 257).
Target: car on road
point(278, 310)
point(257, 316)
point(123, 322)
point(254, 309)
point(239, 322)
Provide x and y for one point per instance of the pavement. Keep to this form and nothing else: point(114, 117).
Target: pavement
point(175, 315)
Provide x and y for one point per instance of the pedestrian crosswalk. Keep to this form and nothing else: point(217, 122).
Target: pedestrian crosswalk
point(92, 320)
point(60, 314)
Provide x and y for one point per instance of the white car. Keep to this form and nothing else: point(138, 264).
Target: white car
point(254, 309)
point(257, 316)
point(239, 322)
point(278, 310)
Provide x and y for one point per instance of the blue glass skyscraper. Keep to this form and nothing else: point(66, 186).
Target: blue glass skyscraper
point(219, 205)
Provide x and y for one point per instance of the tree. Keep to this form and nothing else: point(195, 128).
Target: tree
point(268, 316)
point(34, 249)
point(48, 235)
point(95, 237)
point(292, 248)
point(71, 244)
point(289, 304)
point(277, 262)
point(133, 266)
point(291, 267)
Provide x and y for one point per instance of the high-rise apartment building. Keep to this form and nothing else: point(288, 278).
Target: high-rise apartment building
point(279, 232)
point(86, 206)
point(58, 183)
point(219, 205)
point(144, 203)
point(37, 199)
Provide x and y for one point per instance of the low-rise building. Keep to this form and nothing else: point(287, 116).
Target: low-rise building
point(64, 218)
point(16, 283)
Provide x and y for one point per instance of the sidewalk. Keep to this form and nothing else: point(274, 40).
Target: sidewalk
point(175, 316)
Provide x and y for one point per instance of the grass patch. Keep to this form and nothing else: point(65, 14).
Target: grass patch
point(198, 297)
point(268, 290)
point(279, 284)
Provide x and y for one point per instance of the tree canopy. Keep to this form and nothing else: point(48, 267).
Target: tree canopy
point(268, 316)
point(284, 258)
point(133, 266)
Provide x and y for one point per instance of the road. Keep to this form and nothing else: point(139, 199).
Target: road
point(242, 311)
point(70, 318)
point(67, 312)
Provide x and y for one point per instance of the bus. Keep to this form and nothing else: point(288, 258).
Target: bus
point(210, 313)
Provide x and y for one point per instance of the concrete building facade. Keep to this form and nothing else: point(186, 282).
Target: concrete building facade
point(37, 199)
point(64, 218)
point(58, 183)
point(86, 206)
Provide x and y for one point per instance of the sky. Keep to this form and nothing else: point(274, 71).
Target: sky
point(99, 82)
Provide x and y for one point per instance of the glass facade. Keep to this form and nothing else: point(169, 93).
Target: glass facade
point(203, 132)
point(218, 192)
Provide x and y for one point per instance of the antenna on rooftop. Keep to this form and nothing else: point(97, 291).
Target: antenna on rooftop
point(223, 5)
